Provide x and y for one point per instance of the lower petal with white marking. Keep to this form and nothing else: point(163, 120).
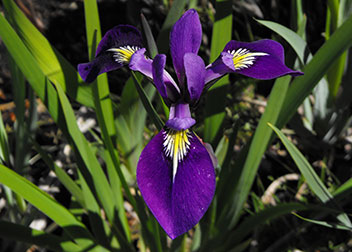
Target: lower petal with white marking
point(176, 178)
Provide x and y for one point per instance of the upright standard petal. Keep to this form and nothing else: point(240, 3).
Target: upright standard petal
point(195, 75)
point(263, 59)
point(177, 200)
point(185, 37)
point(114, 50)
point(163, 81)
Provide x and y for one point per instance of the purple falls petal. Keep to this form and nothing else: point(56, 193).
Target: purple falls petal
point(163, 81)
point(186, 36)
point(264, 60)
point(140, 63)
point(195, 75)
point(102, 64)
point(178, 205)
point(117, 37)
point(216, 70)
point(180, 117)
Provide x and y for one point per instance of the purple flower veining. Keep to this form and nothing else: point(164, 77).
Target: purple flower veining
point(175, 172)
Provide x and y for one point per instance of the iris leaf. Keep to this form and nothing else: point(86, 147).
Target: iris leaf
point(295, 41)
point(64, 178)
point(22, 233)
point(309, 174)
point(243, 173)
point(4, 144)
point(214, 107)
point(147, 104)
point(323, 223)
point(152, 48)
point(49, 206)
point(315, 70)
point(173, 15)
point(104, 111)
point(61, 113)
point(50, 61)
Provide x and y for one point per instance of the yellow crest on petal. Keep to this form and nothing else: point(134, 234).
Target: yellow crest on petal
point(243, 58)
point(123, 54)
point(176, 146)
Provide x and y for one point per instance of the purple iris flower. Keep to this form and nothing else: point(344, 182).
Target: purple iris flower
point(175, 172)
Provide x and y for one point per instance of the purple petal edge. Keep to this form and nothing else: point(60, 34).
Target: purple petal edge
point(121, 35)
point(195, 75)
point(180, 205)
point(265, 67)
point(102, 64)
point(180, 117)
point(185, 37)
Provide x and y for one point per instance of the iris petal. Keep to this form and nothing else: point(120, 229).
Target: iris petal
point(185, 37)
point(120, 36)
point(114, 50)
point(158, 71)
point(178, 205)
point(263, 59)
point(195, 74)
point(163, 81)
point(140, 63)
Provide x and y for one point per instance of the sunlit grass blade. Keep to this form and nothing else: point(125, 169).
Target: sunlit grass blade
point(4, 144)
point(173, 15)
point(249, 224)
point(321, 92)
point(295, 41)
point(63, 115)
point(130, 122)
point(63, 177)
point(104, 111)
point(315, 70)
point(152, 48)
point(50, 61)
point(214, 107)
point(323, 223)
point(47, 205)
point(42, 239)
point(239, 180)
point(147, 104)
point(336, 71)
point(344, 187)
point(309, 174)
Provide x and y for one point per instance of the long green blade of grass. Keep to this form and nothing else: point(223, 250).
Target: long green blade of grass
point(315, 70)
point(62, 113)
point(104, 111)
point(147, 104)
point(175, 12)
point(309, 174)
point(50, 61)
point(64, 178)
point(252, 222)
point(236, 186)
point(295, 41)
point(47, 205)
point(214, 107)
point(336, 71)
point(323, 223)
point(22, 233)
point(4, 144)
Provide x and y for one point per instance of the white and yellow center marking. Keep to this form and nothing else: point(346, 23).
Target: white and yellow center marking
point(123, 54)
point(243, 58)
point(176, 146)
